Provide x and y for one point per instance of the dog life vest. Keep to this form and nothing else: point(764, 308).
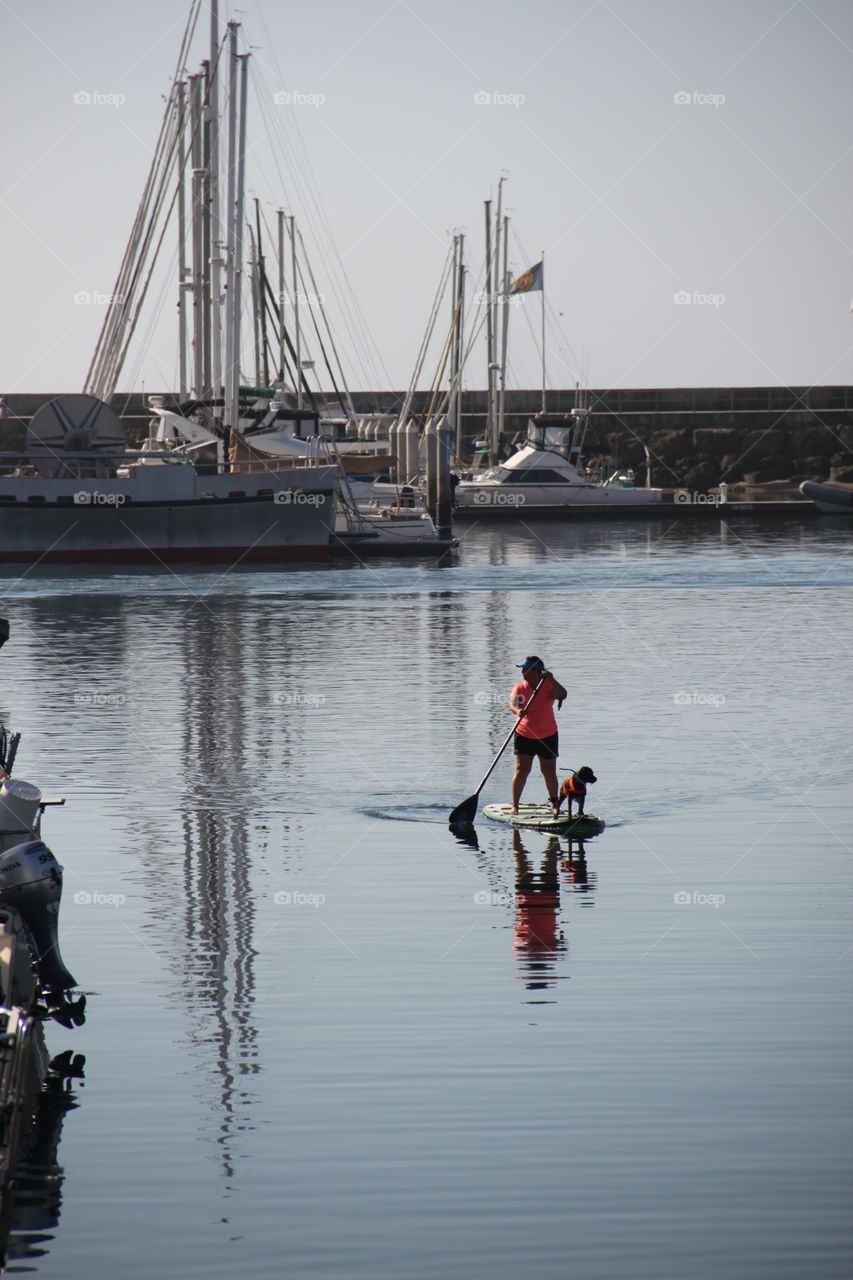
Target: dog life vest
point(572, 787)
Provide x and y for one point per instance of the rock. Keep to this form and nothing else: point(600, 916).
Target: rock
point(703, 474)
point(841, 474)
point(670, 446)
point(714, 442)
point(776, 466)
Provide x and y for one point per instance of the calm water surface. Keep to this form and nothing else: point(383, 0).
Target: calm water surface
point(326, 1038)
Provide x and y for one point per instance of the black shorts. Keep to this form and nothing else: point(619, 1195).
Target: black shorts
point(544, 748)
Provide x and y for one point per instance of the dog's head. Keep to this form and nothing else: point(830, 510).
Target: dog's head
point(585, 774)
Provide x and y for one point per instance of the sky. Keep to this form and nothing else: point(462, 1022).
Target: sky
point(685, 166)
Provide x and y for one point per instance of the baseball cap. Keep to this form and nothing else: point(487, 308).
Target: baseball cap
point(532, 661)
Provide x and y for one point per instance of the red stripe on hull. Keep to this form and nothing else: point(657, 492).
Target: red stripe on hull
point(171, 555)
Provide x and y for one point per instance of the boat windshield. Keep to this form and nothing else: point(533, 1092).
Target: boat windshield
point(555, 439)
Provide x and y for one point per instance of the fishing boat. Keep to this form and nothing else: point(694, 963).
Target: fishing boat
point(547, 476)
point(832, 499)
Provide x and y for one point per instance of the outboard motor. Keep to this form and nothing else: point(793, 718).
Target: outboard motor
point(31, 883)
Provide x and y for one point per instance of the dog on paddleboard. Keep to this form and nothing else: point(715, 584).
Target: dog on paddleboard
point(574, 788)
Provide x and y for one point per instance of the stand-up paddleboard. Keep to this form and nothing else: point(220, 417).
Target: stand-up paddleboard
point(538, 817)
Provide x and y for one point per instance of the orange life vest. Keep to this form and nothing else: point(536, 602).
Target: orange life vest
point(571, 787)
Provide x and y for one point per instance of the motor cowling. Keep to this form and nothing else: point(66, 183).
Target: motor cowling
point(31, 883)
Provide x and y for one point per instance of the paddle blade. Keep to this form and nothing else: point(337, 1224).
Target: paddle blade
point(464, 813)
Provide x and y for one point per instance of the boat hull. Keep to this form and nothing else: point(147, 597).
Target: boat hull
point(835, 500)
point(517, 501)
point(165, 518)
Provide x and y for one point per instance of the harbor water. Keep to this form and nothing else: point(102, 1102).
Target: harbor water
point(328, 1038)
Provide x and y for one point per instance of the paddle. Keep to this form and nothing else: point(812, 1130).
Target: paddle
point(465, 813)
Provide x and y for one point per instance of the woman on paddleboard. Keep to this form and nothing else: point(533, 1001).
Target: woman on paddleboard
point(536, 731)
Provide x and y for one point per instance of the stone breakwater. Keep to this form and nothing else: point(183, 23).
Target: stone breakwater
point(696, 436)
point(701, 458)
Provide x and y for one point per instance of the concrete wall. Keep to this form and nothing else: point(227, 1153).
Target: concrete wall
point(696, 435)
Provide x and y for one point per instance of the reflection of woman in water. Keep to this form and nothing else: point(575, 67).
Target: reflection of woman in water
point(538, 939)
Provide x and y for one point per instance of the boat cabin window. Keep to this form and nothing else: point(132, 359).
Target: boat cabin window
point(530, 475)
point(553, 439)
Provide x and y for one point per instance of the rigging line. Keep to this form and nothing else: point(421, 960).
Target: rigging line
point(114, 359)
point(351, 312)
point(319, 298)
point(438, 299)
point(362, 356)
point(273, 242)
point(272, 311)
point(156, 316)
point(135, 320)
point(111, 358)
point(113, 317)
point(116, 314)
point(312, 182)
point(572, 360)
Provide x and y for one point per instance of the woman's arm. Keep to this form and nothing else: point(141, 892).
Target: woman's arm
point(557, 690)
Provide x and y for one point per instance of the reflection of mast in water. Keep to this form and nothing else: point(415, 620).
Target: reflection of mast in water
point(538, 940)
point(219, 908)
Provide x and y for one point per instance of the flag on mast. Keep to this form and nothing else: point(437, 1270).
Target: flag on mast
point(530, 280)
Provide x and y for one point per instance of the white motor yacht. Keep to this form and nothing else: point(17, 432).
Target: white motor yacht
point(548, 475)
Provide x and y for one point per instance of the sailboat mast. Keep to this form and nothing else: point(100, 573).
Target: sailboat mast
point(296, 332)
point(243, 60)
point(205, 228)
point(253, 280)
point(460, 330)
point(542, 297)
point(216, 245)
point(262, 296)
point(493, 300)
point(504, 328)
point(453, 398)
point(234, 263)
point(281, 340)
point(182, 239)
point(490, 423)
point(197, 232)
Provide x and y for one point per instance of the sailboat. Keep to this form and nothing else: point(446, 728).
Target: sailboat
point(547, 474)
point(76, 492)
